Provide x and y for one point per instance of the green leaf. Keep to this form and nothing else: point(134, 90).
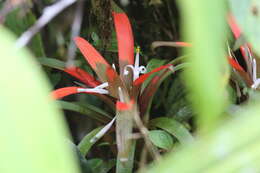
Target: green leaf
point(95, 163)
point(107, 166)
point(149, 92)
point(233, 147)
point(51, 62)
point(176, 102)
point(32, 131)
point(100, 166)
point(246, 13)
point(173, 127)
point(204, 26)
point(152, 64)
point(85, 144)
point(161, 139)
point(91, 111)
point(54, 78)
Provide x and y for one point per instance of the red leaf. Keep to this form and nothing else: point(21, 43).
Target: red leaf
point(182, 44)
point(148, 93)
point(93, 57)
point(142, 78)
point(237, 33)
point(111, 75)
point(90, 53)
point(234, 27)
point(234, 64)
point(83, 76)
point(125, 39)
point(62, 92)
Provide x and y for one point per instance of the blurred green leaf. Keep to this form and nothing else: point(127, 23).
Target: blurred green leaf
point(32, 131)
point(173, 127)
point(248, 18)
point(207, 74)
point(161, 139)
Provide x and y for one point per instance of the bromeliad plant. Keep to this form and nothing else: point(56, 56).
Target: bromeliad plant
point(243, 77)
point(249, 75)
point(121, 89)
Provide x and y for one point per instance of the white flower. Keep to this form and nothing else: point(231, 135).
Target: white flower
point(136, 68)
point(98, 89)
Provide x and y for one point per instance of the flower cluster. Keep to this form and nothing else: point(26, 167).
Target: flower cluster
point(109, 82)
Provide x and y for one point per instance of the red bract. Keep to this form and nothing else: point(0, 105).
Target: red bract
point(128, 79)
point(234, 27)
point(237, 33)
point(121, 106)
point(235, 64)
point(125, 40)
point(82, 76)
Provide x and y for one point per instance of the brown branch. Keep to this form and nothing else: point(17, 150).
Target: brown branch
point(48, 14)
point(75, 31)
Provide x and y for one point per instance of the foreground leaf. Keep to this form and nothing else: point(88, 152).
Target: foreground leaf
point(246, 13)
point(32, 132)
point(208, 65)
